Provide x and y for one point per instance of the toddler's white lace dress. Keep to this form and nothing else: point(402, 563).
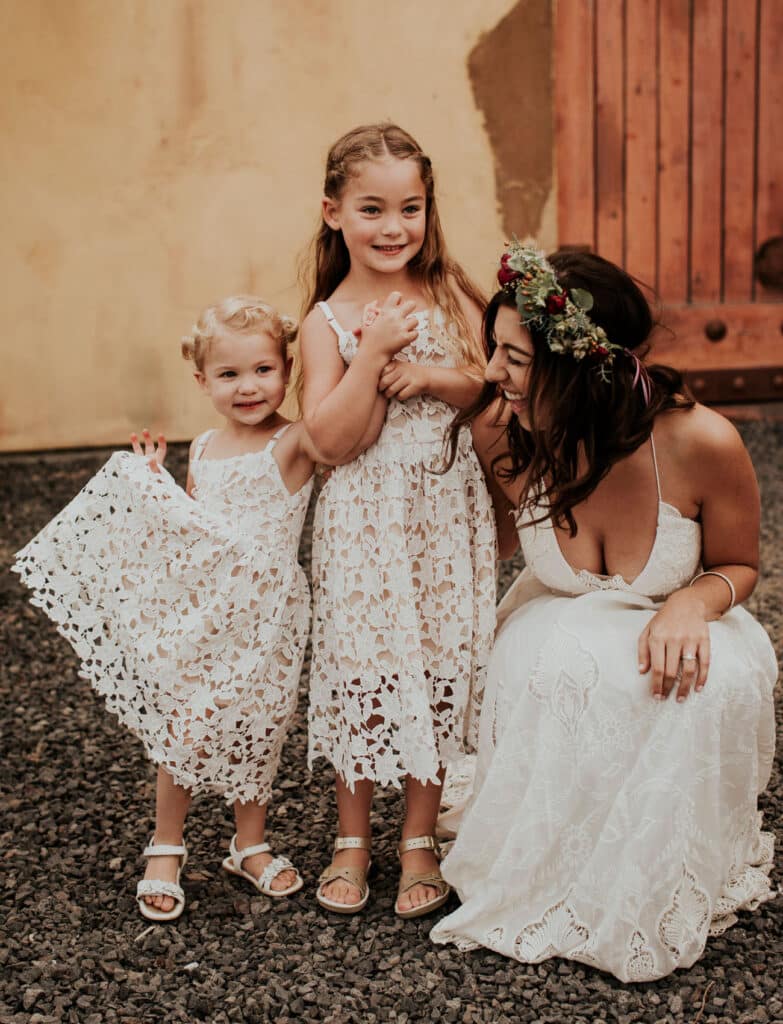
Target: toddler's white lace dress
point(403, 591)
point(189, 617)
point(607, 827)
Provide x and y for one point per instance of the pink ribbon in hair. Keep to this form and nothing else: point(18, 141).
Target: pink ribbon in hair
point(641, 376)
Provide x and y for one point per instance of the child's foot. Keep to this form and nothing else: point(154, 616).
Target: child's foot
point(159, 894)
point(422, 887)
point(339, 890)
point(272, 875)
point(418, 862)
point(161, 869)
point(256, 864)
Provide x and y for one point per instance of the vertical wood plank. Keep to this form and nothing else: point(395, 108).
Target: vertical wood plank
point(707, 151)
point(673, 150)
point(739, 149)
point(609, 134)
point(574, 122)
point(769, 173)
point(641, 132)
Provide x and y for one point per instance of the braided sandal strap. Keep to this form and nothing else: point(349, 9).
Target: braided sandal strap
point(434, 878)
point(155, 887)
point(273, 869)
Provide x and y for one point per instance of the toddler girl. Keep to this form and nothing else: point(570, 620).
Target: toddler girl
point(191, 617)
point(403, 557)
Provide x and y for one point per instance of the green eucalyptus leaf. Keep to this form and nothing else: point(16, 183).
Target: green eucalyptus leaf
point(581, 298)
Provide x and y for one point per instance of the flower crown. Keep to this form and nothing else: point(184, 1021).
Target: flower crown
point(544, 305)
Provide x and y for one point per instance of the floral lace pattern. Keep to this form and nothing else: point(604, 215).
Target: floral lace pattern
point(604, 826)
point(403, 592)
point(189, 617)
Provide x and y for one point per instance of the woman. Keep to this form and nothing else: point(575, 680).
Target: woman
point(627, 726)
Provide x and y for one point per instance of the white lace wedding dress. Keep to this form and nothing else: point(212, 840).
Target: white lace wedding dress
point(189, 617)
point(403, 591)
point(607, 827)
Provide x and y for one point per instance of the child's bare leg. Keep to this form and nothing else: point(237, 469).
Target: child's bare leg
point(251, 822)
point(171, 809)
point(422, 803)
point(353, 812)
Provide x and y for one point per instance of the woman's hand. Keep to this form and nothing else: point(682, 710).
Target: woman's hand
point(389, 327)
point(675, 646)
point(403, 380)
point(155, 456)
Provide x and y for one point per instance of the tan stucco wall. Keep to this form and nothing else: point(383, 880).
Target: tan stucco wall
point(159, 155)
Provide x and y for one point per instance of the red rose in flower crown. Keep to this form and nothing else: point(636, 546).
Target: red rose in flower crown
point(555, 303)
point(507, 274)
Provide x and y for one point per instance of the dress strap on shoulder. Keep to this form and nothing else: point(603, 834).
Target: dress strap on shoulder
point(655, 464)
point(279, 433)
point(331, 319)
point(201, 443)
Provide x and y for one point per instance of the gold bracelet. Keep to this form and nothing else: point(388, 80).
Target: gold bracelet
point(722, 576)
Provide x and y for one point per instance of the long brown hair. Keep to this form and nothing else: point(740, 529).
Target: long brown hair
point(575, 412)
point(432, 266)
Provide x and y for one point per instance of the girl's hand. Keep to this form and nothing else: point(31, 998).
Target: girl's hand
point(391, 326)
point(155, 456)
point(675, 646)
point(402, 380)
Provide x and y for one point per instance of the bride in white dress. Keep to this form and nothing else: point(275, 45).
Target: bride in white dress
point(627, 726)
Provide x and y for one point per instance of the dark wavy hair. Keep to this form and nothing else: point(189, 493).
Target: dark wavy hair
point(575, 411)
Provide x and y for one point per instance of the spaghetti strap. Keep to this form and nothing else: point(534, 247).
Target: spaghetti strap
point(279, 433)
point(655, 464)
point(201, 444)
point(331, 319)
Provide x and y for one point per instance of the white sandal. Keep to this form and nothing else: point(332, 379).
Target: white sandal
point(157, 887)
point(233, 864)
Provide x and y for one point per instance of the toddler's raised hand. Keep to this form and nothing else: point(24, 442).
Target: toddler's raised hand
point(155, 456)
point(391, 326)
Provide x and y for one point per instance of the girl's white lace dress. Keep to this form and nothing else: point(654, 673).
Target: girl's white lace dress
point(607, 827)
point(189, 617)
point(403, 591)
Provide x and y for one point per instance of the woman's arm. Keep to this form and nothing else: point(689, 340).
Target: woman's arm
point(727, 494)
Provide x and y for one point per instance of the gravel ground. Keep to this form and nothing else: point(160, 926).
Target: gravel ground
point(77, 801)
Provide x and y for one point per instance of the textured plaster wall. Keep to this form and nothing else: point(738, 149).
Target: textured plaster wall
point(160, 155)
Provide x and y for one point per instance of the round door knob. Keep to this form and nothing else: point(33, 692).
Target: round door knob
point(715, 330)
point(738, 383)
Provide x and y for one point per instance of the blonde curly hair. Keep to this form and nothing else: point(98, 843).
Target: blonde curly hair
point(237, 313)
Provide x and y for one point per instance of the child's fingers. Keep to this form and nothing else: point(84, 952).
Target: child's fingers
point(149, 447)
point(134, 440)
point(162, 448)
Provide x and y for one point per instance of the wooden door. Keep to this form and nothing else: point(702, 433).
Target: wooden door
point(669, 147)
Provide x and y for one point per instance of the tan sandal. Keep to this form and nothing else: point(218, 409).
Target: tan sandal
point(411, 878)
point(353, 876)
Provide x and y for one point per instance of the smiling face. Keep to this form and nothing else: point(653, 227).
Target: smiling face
point(509, 367)
point(382, 213)
point(245, 374)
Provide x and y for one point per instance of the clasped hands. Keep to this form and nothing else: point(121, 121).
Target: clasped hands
point(389, 327)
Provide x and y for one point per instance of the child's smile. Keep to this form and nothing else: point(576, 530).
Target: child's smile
point(245, 375)
point(382, 214)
